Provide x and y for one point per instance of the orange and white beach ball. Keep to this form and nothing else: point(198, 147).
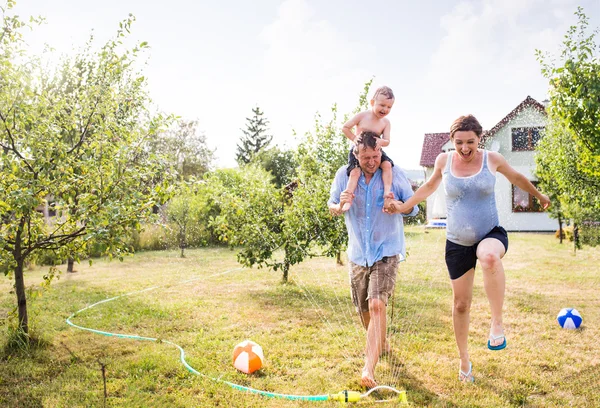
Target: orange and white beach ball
point(248, 357)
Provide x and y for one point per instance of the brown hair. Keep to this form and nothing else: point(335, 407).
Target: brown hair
point(385, 91)
point(365, 139)
point(465, 124)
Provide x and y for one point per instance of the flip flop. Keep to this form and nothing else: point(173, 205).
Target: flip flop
point(499, 346)
point(468, 376)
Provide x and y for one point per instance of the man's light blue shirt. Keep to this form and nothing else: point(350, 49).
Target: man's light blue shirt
point(373, 234)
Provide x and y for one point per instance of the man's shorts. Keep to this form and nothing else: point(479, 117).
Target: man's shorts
point(353, 161)
point(374, 282)
point(459, 258)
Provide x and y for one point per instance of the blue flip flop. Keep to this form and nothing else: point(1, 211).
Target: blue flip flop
point(499, 346)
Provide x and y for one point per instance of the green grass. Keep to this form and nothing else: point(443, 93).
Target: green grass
point(309, 331)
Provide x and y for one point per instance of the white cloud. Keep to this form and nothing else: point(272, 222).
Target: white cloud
point(486, 61)
point(307, 66)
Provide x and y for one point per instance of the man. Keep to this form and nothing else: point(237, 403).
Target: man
point(375, 243)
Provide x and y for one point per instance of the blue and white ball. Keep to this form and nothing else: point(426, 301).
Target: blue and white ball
point(569, 318)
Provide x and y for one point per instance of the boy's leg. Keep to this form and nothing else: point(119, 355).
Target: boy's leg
point(386, 176)
point(352, 183)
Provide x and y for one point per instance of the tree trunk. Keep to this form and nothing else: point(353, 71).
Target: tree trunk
point(575, 237)
point(338, 258)
point(182, 240)
point(286, 268)
point(19, 281)
point(560, 229)
point(70, 263)
point(20, 291)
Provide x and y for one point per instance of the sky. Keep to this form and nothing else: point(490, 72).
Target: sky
point(214, 61)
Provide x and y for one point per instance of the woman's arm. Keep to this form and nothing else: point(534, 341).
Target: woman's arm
point(517, 178)
point(427, 189)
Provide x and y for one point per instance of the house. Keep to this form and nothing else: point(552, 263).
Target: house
point(515, 137)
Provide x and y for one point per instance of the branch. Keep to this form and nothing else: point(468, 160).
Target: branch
point(85, 129)
point(55, 242)
point(13, 148)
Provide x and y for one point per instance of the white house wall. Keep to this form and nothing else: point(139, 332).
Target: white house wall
point(524, 163)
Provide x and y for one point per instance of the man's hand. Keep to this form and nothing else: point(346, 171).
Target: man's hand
point(335, 209)
point(388, 202)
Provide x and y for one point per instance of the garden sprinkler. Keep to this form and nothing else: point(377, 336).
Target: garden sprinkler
point(346, 396)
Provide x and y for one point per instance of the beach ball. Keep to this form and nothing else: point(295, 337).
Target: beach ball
point(248, 357)
point(569, 318)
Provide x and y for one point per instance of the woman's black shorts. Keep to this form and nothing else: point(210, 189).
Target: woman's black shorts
point(459, 258)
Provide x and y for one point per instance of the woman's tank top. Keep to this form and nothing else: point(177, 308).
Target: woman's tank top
point(470, 204)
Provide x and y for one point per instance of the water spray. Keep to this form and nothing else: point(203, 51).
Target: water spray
point(343, 397)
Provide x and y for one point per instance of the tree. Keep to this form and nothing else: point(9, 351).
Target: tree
point(576, 194)
point(255, 137)
point(278, 228)
point(568, 159)
point(77, 139)
point(250, 216)
point(185, 148)
point(184, 211)
point(280, 163)
point(575, 86)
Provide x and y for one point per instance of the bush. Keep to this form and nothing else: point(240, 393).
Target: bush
point(156, 237)
point(48, 258)
point(589, 233)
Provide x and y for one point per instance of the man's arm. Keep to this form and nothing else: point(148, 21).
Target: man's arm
point(337, 192)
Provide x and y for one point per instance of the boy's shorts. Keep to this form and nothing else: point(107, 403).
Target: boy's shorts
point(374, 282)
point(460, 259)
point(353, 161)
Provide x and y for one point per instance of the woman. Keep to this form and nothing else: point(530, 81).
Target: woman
point(473, 231)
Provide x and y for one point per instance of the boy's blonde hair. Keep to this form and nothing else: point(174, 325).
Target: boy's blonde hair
point(385, 91)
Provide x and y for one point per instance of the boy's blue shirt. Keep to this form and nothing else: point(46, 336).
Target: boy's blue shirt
point(373, 234)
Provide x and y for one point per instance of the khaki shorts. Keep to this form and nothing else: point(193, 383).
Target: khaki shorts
point(374, 282)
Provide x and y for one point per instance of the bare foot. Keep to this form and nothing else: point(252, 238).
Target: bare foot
point(346, 205)
point(388, 198)
point(368, 378)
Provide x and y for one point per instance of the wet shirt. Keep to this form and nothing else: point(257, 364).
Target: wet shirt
point(373, 234)
point(470, 204)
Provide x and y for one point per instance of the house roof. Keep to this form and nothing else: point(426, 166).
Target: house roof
point(432, 146)
point(433, 142)
point(529, 101)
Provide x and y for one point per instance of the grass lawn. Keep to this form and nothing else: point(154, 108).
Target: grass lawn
point(308, 329)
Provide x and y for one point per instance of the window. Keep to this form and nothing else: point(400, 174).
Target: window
point(522, 201)
point(526, 138)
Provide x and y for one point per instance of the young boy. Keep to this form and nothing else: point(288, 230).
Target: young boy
point(373, 120)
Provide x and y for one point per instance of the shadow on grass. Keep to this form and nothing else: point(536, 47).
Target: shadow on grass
point(532, 302)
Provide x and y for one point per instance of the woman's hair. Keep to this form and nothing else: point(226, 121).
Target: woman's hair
point(465, 124)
